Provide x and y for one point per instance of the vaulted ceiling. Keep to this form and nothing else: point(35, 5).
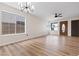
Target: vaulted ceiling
point(45, 9)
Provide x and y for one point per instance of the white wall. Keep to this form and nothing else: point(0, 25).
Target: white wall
point(69, 24)
point(34, 26)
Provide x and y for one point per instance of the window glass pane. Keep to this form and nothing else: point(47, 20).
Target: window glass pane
point(8, 28)
point(12, 28)
point(5, 28)
point(20, 27)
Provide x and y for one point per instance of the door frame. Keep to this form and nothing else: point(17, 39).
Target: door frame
point(66, 28)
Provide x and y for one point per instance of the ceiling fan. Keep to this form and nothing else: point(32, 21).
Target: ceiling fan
point(58, 15)
point(26, 6)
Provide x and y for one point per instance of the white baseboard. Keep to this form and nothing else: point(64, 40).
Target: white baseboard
point(6, 40)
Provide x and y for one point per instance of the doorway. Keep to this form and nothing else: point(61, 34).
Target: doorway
point(64, 28)
point(75, 28)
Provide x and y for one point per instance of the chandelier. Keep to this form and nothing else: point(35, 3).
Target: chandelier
point(26, 7)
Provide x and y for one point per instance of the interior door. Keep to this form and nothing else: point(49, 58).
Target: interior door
point(75, 28)
point(64, 28)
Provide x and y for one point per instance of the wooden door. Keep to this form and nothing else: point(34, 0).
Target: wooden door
point(75, 28)
point(64, 28)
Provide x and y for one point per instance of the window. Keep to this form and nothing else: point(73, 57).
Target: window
point(8, 28)
point(54, 26)
point(20, 27)
point(12, 24)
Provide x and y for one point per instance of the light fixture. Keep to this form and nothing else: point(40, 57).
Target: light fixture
point(26, 6)
point(58, 15)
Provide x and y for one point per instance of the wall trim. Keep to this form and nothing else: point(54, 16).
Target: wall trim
point(22, 40)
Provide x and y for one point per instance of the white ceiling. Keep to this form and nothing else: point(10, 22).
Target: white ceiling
point(45, 9)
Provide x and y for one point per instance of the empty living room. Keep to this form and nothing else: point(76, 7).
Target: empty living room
point(39, 28)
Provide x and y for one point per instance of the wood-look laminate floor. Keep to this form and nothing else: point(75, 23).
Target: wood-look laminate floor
point(44, 46)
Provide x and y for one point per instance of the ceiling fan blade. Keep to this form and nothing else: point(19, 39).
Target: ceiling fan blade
point(60, 15)
point(56, 15)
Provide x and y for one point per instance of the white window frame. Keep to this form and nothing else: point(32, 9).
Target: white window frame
point(15, 27)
